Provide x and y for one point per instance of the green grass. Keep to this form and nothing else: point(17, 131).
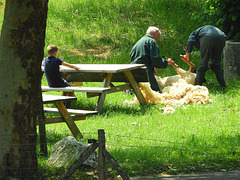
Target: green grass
point(196, 138)
point(111, 28)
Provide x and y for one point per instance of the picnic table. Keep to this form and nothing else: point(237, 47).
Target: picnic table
point(107, 74)
point(129, 74)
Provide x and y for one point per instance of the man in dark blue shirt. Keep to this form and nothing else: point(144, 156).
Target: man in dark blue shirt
point(211, 41)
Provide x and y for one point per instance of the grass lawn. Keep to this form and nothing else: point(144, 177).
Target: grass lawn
point(196, 138)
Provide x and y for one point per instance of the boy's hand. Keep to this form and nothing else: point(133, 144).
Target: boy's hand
point(70, 65)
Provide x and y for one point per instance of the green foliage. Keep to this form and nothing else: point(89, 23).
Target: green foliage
point(224, 14)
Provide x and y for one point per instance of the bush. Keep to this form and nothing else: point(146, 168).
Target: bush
point(224, 14)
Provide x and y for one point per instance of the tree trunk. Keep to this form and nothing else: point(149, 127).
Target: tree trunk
point(21, 53)
point(231, 59)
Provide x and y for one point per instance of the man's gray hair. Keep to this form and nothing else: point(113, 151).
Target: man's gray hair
point(152, 29)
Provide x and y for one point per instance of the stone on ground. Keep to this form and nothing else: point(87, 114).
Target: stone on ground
point(67, 151)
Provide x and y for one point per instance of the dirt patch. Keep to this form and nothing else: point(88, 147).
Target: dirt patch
point(97, 52)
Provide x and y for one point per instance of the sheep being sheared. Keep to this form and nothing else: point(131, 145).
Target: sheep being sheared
point(189, 76)
point(178, 89)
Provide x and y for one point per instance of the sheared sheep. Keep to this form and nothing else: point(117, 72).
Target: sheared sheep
point(178, 89)
point(189, 76)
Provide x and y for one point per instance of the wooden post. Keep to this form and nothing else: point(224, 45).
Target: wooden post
point(102, 153)
point(101, 157)
point(67, 117)
point(135, 87)
point(42, 132)
point(116, 166)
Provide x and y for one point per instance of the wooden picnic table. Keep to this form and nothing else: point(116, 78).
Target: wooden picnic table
point(129, 74)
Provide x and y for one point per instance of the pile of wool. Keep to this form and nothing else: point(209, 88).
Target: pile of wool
point(168, 110)
point(176, 90)
point(177, 94)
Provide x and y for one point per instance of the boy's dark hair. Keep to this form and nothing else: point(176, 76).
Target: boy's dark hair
point(51, 49)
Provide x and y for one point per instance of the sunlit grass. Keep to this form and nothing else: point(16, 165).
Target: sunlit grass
point(82, 25)
point(196, 138)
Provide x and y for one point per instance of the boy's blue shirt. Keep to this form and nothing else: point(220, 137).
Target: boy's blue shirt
point(53, 75)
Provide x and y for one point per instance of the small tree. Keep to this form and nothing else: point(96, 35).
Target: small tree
point(21, 52)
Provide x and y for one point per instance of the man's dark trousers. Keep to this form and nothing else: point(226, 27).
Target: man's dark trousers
point(211, 48)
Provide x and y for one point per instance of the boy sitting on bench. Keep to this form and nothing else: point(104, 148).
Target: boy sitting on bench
point(51, 68)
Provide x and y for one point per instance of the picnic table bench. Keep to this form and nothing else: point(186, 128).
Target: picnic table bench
point(67, 115)
point(94, 90)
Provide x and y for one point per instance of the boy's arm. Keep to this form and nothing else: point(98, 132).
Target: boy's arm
point(70, 65)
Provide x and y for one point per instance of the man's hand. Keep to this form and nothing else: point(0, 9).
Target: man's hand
point(155, 71)
point(170, 61)
point(185, 57)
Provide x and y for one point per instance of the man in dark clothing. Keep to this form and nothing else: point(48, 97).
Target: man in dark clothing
point(146, 51)
point(211, 41)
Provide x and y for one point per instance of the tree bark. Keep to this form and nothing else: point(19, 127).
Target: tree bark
point(231, 60)
point(21, 53)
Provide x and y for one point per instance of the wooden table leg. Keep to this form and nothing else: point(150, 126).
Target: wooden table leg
point(42, 128)
point(42, 133)
point(135, 86)
point(102, 96)
point(66, 116)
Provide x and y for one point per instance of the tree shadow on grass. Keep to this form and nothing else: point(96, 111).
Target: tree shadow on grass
point(174, 158)
point(112, 107)
point(194, 155)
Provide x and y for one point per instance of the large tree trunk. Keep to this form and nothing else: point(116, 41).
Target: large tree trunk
point(231, 60)
point(21, 53)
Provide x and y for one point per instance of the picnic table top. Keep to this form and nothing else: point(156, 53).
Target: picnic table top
point(53, 98)
point(102, 68)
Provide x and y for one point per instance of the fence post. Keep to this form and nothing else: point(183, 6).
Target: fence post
point(101, 157)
